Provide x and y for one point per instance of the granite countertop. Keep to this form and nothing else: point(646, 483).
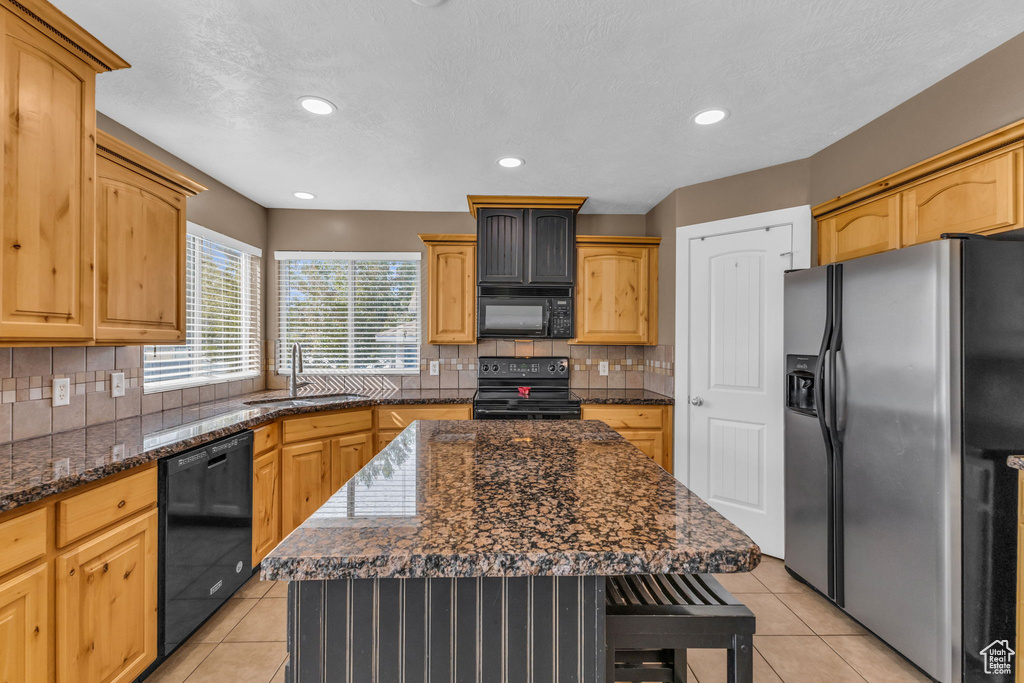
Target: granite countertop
point(625, 397)
point(1016, 462)
point(510, 498)
point(33, 469)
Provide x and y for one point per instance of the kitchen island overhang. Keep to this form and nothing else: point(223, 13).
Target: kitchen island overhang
point(479, 546)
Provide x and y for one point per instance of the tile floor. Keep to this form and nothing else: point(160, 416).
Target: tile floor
point(800, 639)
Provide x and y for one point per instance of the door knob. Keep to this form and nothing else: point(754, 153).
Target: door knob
point(696, 401)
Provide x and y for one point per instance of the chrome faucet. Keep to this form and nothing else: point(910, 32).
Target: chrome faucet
point(293, 380)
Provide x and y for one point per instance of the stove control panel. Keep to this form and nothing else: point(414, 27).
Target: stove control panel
point(533, 367)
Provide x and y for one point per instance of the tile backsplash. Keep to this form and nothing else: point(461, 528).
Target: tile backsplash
point(26, 380)
point(629, 367)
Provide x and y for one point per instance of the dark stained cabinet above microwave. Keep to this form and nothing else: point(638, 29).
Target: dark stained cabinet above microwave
point(526, 246)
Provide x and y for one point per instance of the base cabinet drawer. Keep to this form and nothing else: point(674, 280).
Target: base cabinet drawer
point(81, 515)
point(321, 426)
point(22, 540)
point(106, 605)
point(24, 626)
point(627, 417)
point(265, 437)
point(399, 417)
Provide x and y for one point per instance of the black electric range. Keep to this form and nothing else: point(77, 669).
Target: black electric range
point(532, 388)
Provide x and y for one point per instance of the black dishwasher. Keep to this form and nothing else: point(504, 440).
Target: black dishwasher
point(205, 533)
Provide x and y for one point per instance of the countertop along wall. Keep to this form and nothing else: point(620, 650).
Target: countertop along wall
point(975, 100)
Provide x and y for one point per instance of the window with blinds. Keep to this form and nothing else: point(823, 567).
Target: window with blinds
point(222, 311)
point(352, 312)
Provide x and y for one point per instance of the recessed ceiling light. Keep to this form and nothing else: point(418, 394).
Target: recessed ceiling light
point(304, 195)
point(709, 116)
point(428, 3)
point(510, 162)
point(317, 105)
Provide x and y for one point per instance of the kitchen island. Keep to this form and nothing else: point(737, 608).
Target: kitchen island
point(474, 550)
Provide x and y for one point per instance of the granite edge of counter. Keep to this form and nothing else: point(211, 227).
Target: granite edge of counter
point(1016, 462)
point(735, 561)
point(41, 491)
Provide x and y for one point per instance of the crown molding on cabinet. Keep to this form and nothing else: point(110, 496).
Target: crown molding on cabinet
point(484, 201)
point(982, 145)
point(53, 21)
point(119, 152)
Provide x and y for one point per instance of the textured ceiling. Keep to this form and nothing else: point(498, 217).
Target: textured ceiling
point(596, 95)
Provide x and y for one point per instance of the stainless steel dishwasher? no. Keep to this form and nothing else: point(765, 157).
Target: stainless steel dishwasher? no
point(205, 533)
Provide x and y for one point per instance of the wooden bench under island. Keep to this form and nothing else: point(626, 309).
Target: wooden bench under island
point(478, 550)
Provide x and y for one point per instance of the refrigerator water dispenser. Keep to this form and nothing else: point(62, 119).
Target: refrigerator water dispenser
point(800, 384)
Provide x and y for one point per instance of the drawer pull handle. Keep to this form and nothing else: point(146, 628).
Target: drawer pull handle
point(71, 573)
point(121, 504)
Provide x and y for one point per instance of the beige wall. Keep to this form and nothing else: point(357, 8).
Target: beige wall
point(767, 189)
point(971, 102)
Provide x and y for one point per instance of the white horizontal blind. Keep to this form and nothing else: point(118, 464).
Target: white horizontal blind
point(222, 310)
point(352, 313)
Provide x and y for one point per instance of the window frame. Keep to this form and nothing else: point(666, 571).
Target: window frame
point(282, 360)
point(250, 327)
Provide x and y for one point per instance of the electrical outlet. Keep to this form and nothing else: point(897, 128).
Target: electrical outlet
point(435, 367)
point(117, 384)
point(602, 368)
point(61, 392)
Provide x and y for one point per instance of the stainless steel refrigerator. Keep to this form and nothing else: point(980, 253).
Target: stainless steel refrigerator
point(904, 395)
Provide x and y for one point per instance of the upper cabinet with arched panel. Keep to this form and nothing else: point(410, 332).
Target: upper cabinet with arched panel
point(865, 229)
point(47, 225)
point(981, 196)
point(975, 188)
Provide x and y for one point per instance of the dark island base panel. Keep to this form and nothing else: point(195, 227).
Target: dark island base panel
point(540, 629)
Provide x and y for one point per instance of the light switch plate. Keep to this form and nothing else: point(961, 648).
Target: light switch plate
point(61, 392)
point(435, 367)
point(602, 368)
point(117, 384)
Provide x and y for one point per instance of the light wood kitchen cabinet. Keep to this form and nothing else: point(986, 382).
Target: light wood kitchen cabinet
point(85, 513)
point(385, 437)
point(47, 229)
point(982, 196)
point(24, 626)
point(305, 481)
point(617, 290)
point(348, 455)
point(399, 417)
point(266, 504)
point(975, 188)
point(868, 228)
point(106, 604)
point(451, 288)
point(649, 428)
point(140, 246)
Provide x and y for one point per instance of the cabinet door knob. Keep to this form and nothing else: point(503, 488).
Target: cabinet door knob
point(696, 401)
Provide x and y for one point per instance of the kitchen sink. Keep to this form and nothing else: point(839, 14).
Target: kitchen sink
point(305, 400)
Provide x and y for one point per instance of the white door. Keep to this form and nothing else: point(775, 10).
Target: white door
point(734, 372)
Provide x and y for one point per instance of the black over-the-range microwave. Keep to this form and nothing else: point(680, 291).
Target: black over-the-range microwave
point(525, 313)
